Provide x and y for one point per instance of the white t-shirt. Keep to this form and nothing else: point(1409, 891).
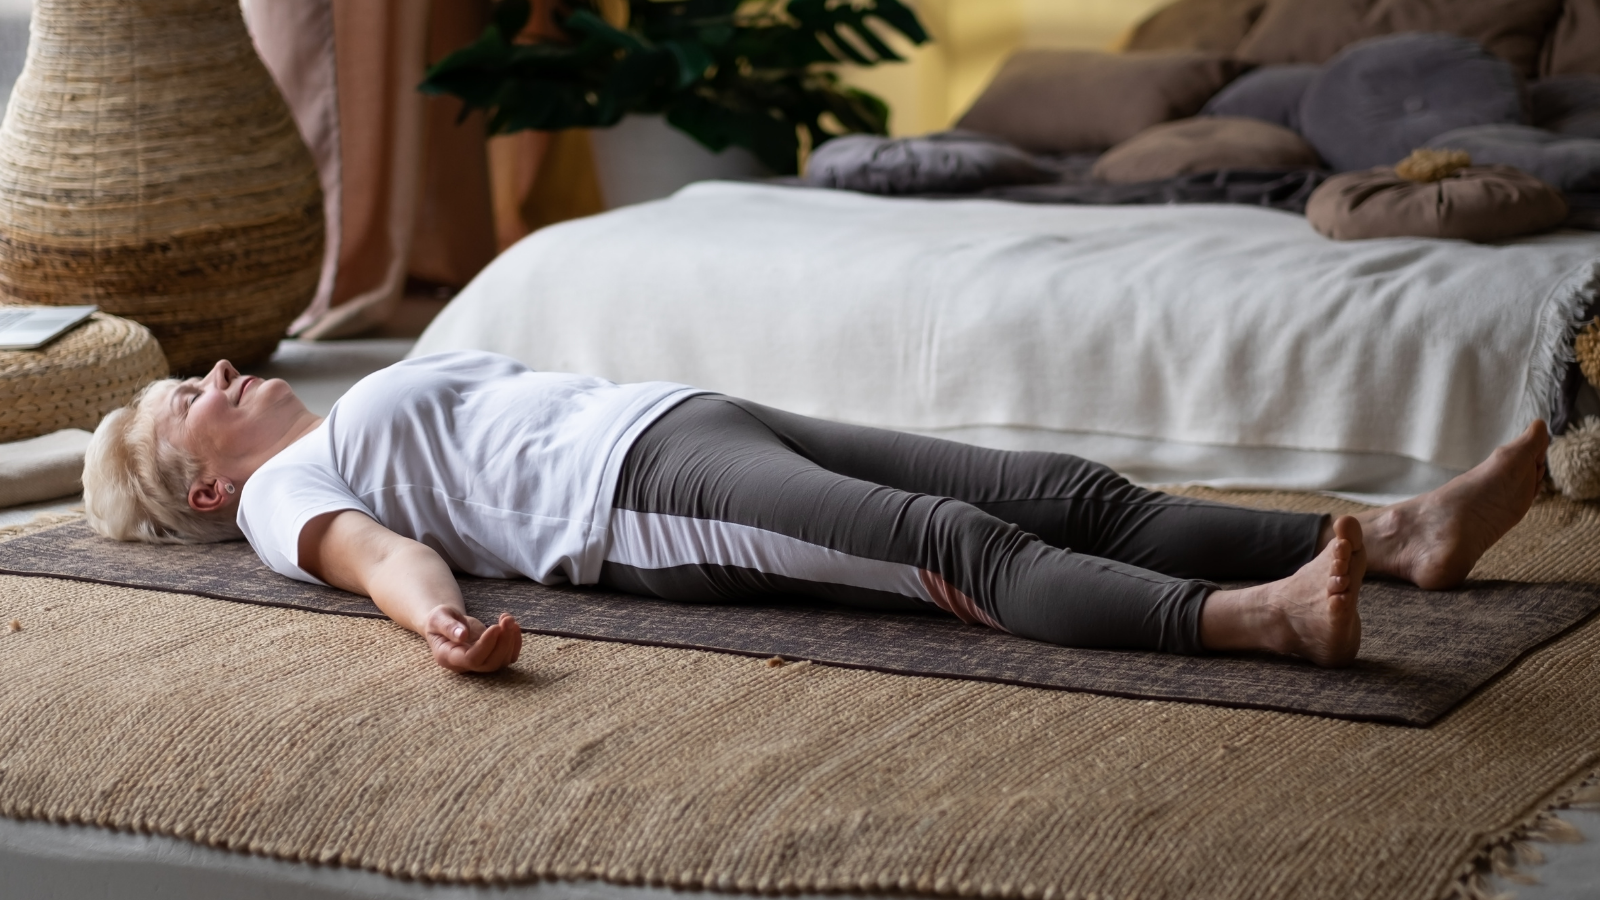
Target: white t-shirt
point(504, 471)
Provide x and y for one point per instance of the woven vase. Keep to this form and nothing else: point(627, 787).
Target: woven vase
point(148, 164)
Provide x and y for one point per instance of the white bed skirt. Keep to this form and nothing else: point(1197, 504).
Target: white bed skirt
point(1214, 344)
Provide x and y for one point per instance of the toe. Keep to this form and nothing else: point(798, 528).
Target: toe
point(1349, 529)
point(1538, 431)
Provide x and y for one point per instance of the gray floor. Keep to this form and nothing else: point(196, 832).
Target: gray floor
point(39, 861)
point(1570, 871)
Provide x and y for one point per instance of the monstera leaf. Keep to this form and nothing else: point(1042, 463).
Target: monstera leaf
point(728, 72)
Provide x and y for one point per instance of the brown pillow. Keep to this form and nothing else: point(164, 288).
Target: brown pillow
point(1312, 31)
point(1573, 47)
point(1478, 203)
point(1206, 144)
point(1062, 101)
point(1215, 25)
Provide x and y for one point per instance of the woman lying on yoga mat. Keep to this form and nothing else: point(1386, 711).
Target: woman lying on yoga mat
point(470, 462)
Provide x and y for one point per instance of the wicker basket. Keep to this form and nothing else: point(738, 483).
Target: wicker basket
point(78, 378)
point(149, 165)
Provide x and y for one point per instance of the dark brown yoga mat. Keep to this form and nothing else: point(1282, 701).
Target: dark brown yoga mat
point(1421, 654)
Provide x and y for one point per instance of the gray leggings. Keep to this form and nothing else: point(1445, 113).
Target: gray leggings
point(722, 500)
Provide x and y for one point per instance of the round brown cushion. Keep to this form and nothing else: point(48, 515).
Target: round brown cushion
point(1070, 101)
point(1206, 144)
point(73, 381)
point(1478, 203)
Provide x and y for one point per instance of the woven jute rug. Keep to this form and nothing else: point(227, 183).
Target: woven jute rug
point(336, 740)
point(1422, 652)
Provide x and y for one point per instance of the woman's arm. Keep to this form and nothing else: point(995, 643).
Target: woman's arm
point(411, 584)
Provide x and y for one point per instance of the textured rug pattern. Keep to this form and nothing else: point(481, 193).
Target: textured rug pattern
point(335, 739)
point(1422, 652)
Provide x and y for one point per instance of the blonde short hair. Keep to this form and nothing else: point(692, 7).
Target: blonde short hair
point(136, 483)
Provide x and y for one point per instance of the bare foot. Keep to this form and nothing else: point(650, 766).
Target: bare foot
point(1434, 540)
point(1312, 613)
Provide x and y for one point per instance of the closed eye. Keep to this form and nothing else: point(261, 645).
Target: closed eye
point(186, 395)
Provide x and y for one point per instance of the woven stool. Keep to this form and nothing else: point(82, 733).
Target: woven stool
point(75, 380)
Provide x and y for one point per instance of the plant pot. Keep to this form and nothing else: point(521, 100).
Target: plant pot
point(643, 158)
point(149, 165)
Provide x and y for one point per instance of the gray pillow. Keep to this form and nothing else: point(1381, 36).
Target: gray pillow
point(1569, 163)
point(1383, 97)
point(1569, 104)
point(1270, 93)
point(950, 162)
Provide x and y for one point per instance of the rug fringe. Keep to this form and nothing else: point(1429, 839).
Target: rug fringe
point(1505, 855)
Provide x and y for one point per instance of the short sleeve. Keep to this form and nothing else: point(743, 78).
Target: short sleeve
point(290, 490)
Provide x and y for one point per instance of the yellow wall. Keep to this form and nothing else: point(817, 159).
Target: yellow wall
point(970, 40)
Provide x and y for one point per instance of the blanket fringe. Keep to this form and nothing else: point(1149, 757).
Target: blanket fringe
point(1505, 855)
point(1568, 310)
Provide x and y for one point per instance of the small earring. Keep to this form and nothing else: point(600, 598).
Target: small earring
point(228, 488)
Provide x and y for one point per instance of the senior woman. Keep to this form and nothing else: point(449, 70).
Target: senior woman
point(470, 462)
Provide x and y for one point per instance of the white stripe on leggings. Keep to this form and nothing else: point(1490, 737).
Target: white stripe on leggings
point(656, 541)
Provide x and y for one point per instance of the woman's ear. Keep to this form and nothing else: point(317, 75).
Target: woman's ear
point(210, 494)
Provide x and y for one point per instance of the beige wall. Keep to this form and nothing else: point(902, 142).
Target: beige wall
point(972, 37)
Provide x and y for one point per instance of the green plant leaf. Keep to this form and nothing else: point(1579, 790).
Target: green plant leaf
point(900, 17)
point(716, 34)
point(539, 105)
point(750, 73)
point(640, 82)
point(693, 59)
point(587, 24)
point(866, 35)
point(772, 140)
point(856, 110)
point(509, 17)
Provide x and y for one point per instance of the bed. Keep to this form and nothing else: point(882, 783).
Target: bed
point(1195, 328)
point(1220, 344)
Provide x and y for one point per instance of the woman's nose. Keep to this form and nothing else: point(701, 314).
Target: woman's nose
point(222, 373)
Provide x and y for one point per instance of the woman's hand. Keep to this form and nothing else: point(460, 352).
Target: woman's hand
point(411, 584)
point(461, 643)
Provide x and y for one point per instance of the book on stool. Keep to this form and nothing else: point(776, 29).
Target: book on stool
point(31, 327)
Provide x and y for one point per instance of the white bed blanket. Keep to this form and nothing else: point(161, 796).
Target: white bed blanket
point(1225, 327)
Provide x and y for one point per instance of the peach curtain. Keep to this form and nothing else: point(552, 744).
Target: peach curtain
point(409, 194)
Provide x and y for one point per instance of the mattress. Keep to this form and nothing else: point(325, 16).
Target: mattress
point(1222, 345)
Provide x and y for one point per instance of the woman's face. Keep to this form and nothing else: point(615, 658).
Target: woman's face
point(225, 418)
